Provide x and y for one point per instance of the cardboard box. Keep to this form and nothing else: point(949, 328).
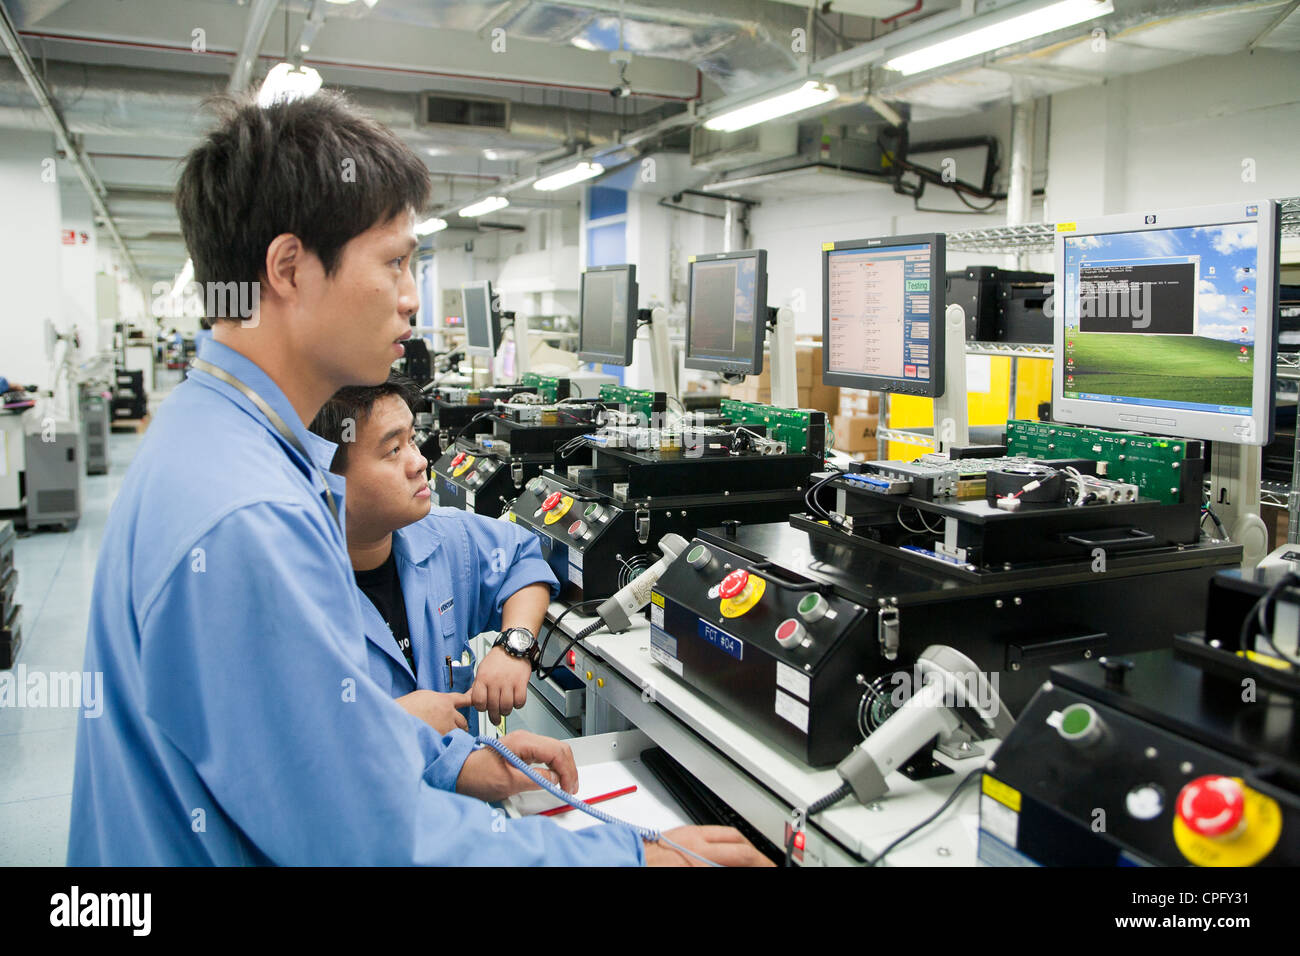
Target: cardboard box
point(854, 401)
point(855, 433)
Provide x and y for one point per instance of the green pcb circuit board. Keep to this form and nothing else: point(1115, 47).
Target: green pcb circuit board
point(640, 400)
point(1153, 464)
point(547, 386)
point(802, 430)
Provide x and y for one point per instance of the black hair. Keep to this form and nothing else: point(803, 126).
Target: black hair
point(352, 403)
point(315, 167)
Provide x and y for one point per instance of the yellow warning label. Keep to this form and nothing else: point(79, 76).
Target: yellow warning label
point(690, 258)
point(1003, 794)
point(827, 246)
point(512, 516)
point(656, 599)
point(1067, 227)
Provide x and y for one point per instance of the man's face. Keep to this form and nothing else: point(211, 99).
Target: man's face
point(351, 322)
point(385, 471)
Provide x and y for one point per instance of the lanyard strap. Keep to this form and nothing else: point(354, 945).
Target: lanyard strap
point(205, 366)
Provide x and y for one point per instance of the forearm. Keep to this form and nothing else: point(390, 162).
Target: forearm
point(526, 608)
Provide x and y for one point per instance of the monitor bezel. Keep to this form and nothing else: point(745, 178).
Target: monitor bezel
point(1257, 429)
point(494, 321)
point(623, 358)
point(726, 366)
point(933, 388)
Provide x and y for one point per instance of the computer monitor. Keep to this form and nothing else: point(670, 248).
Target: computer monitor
point(1165, 322)
point(726, 314)
point(882, 314)
point(609, 315)
point(482, 320)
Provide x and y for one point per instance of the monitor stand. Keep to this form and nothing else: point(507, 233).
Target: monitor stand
point(1234, 496)
point(951, 421)
point(785, 370)
point(661, 355)
point(523, 357)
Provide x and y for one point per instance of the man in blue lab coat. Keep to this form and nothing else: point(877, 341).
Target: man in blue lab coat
point(240, 721)
point(432, 578)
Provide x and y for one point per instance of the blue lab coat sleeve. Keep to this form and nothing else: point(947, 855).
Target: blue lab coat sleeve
point(504, 559)
point(297, 746)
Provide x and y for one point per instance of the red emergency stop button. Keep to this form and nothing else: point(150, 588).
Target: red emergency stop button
point(551, 501)
point(734, 584)
point(1212, 806)
point(460, 456)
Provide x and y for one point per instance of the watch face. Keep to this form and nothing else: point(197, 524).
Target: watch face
point(519, 640)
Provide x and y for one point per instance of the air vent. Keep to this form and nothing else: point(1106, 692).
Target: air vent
point(465, 111)
point(50, 503)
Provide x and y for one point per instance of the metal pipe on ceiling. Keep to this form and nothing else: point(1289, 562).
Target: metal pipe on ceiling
point(62, 136)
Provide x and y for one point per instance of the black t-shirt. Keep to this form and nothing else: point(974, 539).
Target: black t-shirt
point(384, 589)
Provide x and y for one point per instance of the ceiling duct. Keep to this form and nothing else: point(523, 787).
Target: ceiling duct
point(472, 111)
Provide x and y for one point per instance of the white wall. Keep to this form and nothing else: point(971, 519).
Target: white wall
point(1178, 136)
point(30, 289)
point(79, 265)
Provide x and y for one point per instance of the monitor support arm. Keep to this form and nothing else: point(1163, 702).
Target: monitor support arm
point(1234, 496)
point(661, 355)
point(785, 385)
point(951, 422)
point(523, 356)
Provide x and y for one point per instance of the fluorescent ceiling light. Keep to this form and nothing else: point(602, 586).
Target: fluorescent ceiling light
point(811, 94)
point(430, 226)
point(183, 278)
point(574, 174)
point(285, 83)
point(485, 206)
point(1056, 16)
point(369, 3)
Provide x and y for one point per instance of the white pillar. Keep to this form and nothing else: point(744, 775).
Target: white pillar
point(29, 254)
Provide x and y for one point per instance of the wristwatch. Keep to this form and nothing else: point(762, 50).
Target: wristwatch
point(518, 642)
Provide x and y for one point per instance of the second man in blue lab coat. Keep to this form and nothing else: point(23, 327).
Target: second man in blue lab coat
point(433, 578)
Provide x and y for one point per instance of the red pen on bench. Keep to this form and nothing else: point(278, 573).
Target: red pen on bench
point(555, 811)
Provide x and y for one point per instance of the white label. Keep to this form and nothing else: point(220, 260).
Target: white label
point(792, 680)
point(790, 709)
point(575, 557)
point(575, 574)
point(469, 499)
point(672, 663)
point(999, 819)
point(656, 615)
point(979, 374)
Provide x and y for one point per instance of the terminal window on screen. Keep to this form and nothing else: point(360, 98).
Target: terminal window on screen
point(1163, 318)
point(713, 308)
point(879, 304)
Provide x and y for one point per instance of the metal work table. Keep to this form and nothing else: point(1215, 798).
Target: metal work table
point(760, 781)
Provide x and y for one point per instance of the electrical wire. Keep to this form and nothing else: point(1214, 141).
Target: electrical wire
point(1263, 625)
point(922, 515)
point(551, 630)
point(952, 798)
point(645, 833)
point(810, 496)
point(908, 527)
point(1207, 510)
point(835, 796)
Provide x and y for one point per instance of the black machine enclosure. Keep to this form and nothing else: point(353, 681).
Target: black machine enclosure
point(1166, 723)
point(888, 612)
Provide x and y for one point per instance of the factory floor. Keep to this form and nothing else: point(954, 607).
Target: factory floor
point(56, 570)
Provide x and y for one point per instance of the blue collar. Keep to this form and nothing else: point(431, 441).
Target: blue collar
point(417, 542)
point(248, 372)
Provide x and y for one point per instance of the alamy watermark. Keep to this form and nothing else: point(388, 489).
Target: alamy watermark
point(215, 300)
point(53, 689)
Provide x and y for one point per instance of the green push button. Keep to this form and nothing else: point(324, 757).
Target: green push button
point(1079, 724)
point(698, 556)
